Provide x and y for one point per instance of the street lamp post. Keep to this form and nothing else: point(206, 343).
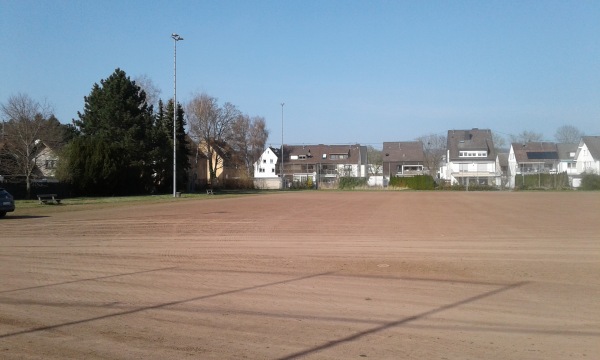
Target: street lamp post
point(282, 177)
point(176, 38)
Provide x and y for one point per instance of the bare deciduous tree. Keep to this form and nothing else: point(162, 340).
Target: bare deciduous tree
point(499, 142)
point(152, 92)
point(568, 134)
point(375, 158)
point(526, 136)
point(25, 124)
point(250, 136)
point(434, 147)
point(211, 126)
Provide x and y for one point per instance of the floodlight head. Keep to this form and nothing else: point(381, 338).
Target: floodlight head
point(176, 37)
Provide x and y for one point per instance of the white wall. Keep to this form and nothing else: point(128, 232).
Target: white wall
point(268, 162)
point(586, 162)
point(267, 184)
point(376, 181)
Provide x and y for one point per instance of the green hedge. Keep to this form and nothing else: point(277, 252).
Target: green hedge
point(542, 181)
point(472, 187)
point(419, 182)
point(349, 183)
point(590, 182)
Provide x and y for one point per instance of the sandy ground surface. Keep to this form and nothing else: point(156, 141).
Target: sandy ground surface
point(312, 275)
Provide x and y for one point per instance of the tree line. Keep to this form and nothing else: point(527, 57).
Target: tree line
point(121, 145)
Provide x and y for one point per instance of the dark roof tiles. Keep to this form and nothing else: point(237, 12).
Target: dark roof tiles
point(405, 151)
point(593, 145)
point(474, 139)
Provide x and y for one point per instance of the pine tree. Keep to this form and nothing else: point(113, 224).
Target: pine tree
point(112, 154)
point(163, 149)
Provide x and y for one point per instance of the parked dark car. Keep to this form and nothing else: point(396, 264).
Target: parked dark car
point(7, 202)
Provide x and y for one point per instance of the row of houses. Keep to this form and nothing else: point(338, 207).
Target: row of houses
point(321, 165)
point(470, 159)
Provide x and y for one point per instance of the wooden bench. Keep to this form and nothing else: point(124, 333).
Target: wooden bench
point(209, 192)
point(48, 199)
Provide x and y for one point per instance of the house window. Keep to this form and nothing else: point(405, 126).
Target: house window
point(271, 160)
point(50, 164)
point(272, 170)
point(410, 168)
point(478, 154)
point(264, 161)
point(301, 157)
point(261, 170)
point(338, 156)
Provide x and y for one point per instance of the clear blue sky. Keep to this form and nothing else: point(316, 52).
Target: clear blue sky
point(348, 71)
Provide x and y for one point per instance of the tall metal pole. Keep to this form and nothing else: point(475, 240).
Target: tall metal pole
point(282, 177)
point(176, 38)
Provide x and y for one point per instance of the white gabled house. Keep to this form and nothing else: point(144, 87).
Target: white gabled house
point(532, 158)
point(267, 171)
point(266, 165)
point(587, 157)
point(566, 161)
point(566, 158)
point(471, 158)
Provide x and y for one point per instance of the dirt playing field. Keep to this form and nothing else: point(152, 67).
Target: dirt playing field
point(312, 275)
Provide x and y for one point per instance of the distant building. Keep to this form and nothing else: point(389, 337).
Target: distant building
point(587, 157)
point(403, 159)
point(267, 171)
point(471, 158)
point(323, 165)
point(532, 158)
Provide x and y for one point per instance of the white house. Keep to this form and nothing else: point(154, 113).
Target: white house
point(531, 158)
point(587, 158)
point(566, 161)
point(471, 158)
point(266, 170)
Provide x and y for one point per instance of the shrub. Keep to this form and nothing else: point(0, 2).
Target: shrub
point(590, 182)
point(542, 181)
point(349, 183)
point(419, 182)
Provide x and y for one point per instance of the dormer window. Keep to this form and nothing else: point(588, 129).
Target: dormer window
point(472, 154)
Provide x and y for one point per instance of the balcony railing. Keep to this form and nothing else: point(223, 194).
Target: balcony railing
point(474, 173)
point(329, 172)
point(409, 173)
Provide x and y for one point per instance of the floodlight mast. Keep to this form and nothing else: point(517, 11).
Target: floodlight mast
point(281, 164)
point(176, 38)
